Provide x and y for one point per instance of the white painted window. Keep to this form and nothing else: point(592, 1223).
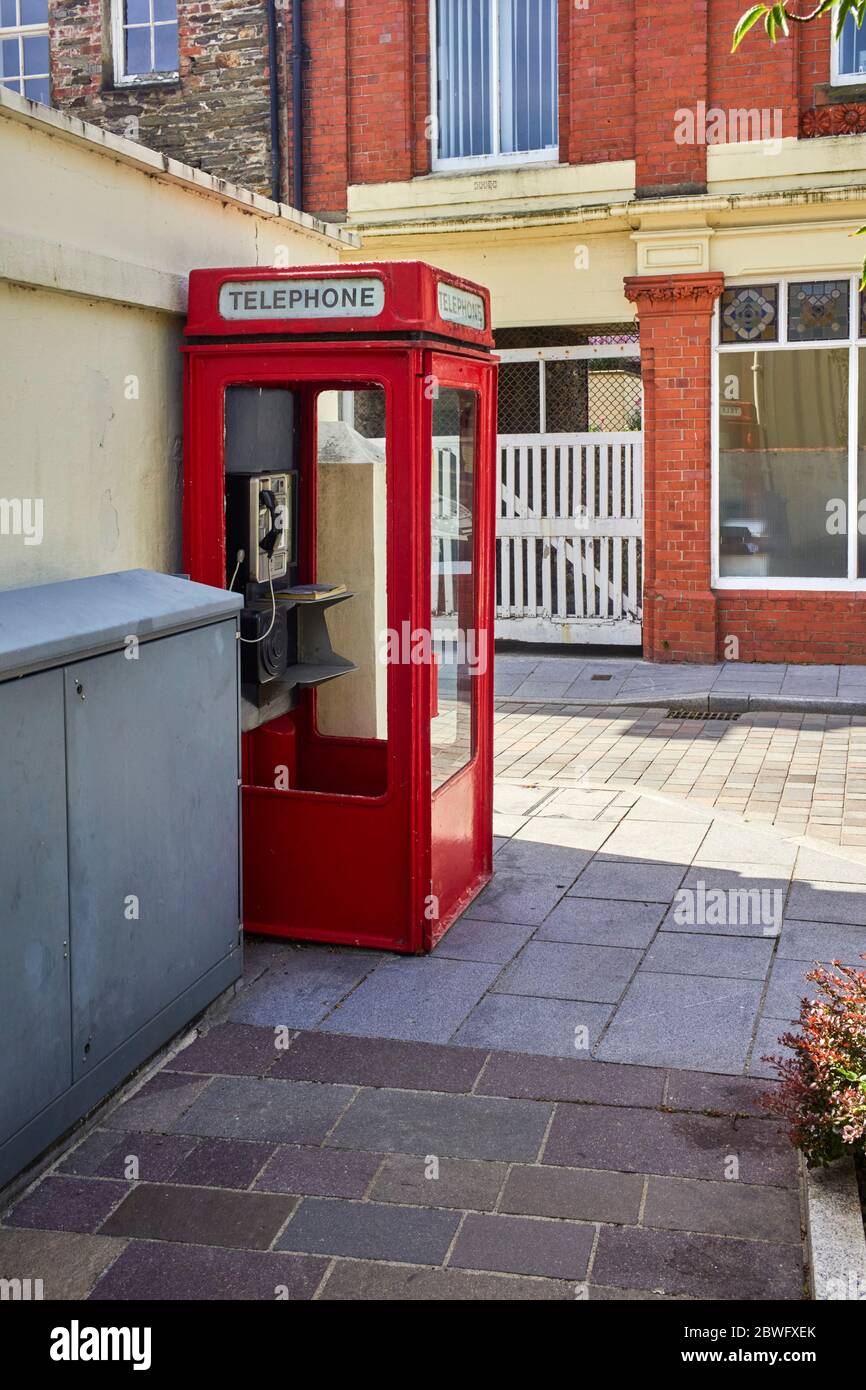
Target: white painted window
point(848, 54)
point(494, 82)
point(24, 48)
point(144, 36)
point(789, 434)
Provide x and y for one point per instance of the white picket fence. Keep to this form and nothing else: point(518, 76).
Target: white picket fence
point(569, 536)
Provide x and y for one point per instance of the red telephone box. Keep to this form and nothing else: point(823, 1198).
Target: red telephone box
point(339, 472)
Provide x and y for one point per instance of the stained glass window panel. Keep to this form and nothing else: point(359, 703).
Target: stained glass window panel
point(750, 314)
point(818, 311)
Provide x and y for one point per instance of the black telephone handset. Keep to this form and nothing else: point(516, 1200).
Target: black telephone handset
point(267, 499)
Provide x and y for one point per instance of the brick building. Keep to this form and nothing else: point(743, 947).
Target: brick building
point(642, 204)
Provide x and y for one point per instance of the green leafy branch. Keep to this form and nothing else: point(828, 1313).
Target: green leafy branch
point(778, 16)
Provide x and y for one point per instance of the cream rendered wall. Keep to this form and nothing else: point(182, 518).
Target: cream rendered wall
point(97, 238)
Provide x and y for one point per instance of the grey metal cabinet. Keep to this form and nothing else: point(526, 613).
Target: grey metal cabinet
point(119, 835)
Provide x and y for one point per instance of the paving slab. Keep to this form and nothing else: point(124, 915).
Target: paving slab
point(304, 987)
point(61, 1203)
point(150, 1270)
point(380, 1062)
point(686, 953)
point(246, 1108)
point(681, 1144)
point(602, 922)
point(200, 1216)
point(788, 986)
point(311, 1172)
point(355, 1281)
point(556, 970)
point(222, 1163)
point(370, 1231)
point(570, 1079)
point(700, 1266)
point(544, 859)
point(68, 1263)
point(826, 902)
point(450, 1126)
point(495, 943)
point(814, 941)
point(723, 1209)
point(518, 898)
point(229, 1049)
point(519, 1022)
point(555, 1249)
point(574, 1194)
point(412, 1180)
point(690, 1021)
point(753, 904)
point(419, 998)
point(627, 880)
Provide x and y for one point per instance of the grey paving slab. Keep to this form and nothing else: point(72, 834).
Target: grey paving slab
point(370, 1231)
point(557, 970)
point(712, 1267)
point(157, 1103)
point(360, 1281)
point(149, 1270)
point(390, 1062)
point(624, 879)
point(555, 1249)
point(495, 943)
point(767, 1044)
point(454, 1126)
point(466, 1184)
point(312, 1172)
point(677, 842)
point(571, 1079)
point(300, 990)
point(577, 803)
point(680, 1144)
point(67, 1262)
point(512, 798)
point(548, 1027)
point(692, 1021)
point(67, 1204)
point(229, 1049)
point(729, 1095)
point(292, 1112)
point(602, 922)
point(684, 953)
point(521, 856)
point(817, 867)
point(518, 898)
point(814, 941)
point(669, 811)
point(573, 1194)
point(222, 1163)
point(723, 1209)
point(422, 998)
point(751, 906)
point(826, 902)
point(562, 832)
point(741, 844)
point(788, 985)
point(200, 1216)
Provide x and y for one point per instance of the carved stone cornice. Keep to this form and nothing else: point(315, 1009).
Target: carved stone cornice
point(667, 294)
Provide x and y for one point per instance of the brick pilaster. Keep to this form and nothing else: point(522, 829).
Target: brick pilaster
point(674, 312)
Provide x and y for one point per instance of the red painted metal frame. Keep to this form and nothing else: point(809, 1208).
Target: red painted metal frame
point(360, 866)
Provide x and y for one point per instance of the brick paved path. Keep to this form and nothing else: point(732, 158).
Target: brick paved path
point(804, 773)
point(306, 1172)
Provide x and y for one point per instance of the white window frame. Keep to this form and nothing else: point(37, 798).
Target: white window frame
point(722, 350)
point(118, 45)
point(467, 163)
point(838, 78)
point(22, 32)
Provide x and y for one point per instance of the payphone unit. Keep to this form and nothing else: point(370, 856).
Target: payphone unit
point(339, 474)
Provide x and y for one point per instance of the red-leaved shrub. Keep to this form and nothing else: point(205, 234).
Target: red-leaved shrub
point(822, 1096)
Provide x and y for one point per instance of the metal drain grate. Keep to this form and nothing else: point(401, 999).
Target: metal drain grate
point(601, 678)
point(724, 714)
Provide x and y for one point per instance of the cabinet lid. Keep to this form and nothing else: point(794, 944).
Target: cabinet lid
point(51, 624)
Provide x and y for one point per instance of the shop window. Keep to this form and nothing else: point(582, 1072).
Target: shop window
point(24, 65)
point(145, 40)
point(791, 455)
point(495, 81)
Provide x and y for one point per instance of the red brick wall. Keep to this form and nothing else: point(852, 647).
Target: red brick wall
point(381, 106)
point(326, 107)
point(794, 626)
point(597, 44)
point(759, 75)
point(670, 75)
